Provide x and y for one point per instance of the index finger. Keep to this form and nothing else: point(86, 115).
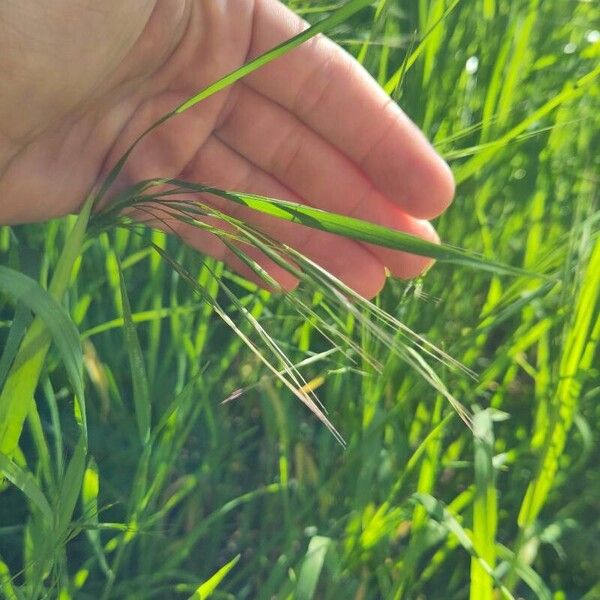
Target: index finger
point(334, 95)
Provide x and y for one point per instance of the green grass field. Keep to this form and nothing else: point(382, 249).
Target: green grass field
point(131, 478)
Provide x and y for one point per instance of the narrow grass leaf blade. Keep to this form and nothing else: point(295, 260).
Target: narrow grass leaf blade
point(579, 348)
point(52, 323)
point(526, 573)
point(141, 393)
point(6, 583)
point(209, 586)
point(440, 513)
point(360, 230)
point(570, 92)
point(21, 321)
point(396, 80)
point(71, 488)
point(26, 482)
point(58, 322)
point(485, 506)
point(89, 501)
point(312, 567)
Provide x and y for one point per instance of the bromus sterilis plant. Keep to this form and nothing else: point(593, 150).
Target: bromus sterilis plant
point(166, 528)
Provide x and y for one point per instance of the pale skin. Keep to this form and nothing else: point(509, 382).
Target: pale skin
point(81, 79)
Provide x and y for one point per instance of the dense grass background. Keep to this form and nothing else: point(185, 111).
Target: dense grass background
point(417, 505)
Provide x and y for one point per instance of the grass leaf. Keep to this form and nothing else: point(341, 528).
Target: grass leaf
point(141, 392)
point(89, 504)
point(52, 322)
point(206, 589)
point(348, 227)
point(70, 488)
point(26, 482)
point(312, 567)
point(485, 506)
point(441, 514)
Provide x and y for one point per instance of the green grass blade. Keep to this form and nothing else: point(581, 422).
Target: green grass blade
point(577, 356)
point(395, 80)
point(570, 91)
point(89, 502)
point(52, 323)
point(63, 331)
point(367, 232)
point(312, 567)
point(527, 574)
point(6, 583)
point(210, 585)
point(485, 506)
point(70, 488)
point(21, 321)
point(141, 392)
point(516, 67)
point(440, 513)
point(353, 228)
point(26, 482)
point(23, 377)
point(361, 230)
point(56, 427)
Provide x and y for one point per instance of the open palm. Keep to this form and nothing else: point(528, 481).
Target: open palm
point(311, 126)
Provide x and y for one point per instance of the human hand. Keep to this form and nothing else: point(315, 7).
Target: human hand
point(83, 80)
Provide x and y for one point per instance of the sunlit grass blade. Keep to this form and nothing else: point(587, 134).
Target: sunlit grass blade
point(485, 506)
point(26, 482)
point(6, 583)
point(140, 317)
point(52, 323)
point(61, 328)
point(89, 504)
point(23, 377)
point(514, 69)
point(431, 439)
point(312, 567)
point(459, 153)
point(331, 222)
point(355, 229)
point(570, 91)
point(396, 79)
point(21, 321)
point(206, 589)
point(339, 16)
point(441, 514)
point(577, 356)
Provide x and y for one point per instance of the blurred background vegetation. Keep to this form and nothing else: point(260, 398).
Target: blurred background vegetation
point(417, 505)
